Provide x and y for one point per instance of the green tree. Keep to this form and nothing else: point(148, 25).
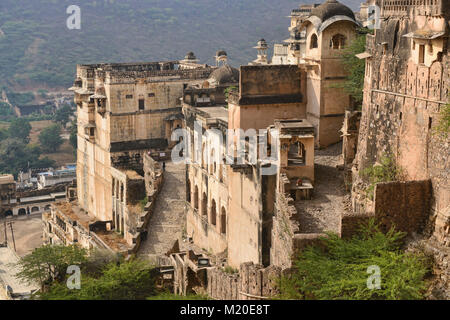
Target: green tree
point(443, 127)
point(20, 128)
point(3, 134)
point(74, 135)
point(62, 115)
point(128, 280)
point(50, 138)
point(385, 171)
point(338, 269)
point(49, 263)
point(15, 155)
point(354, 83)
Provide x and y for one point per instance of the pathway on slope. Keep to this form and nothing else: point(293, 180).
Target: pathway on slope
point(166, 224)
point(8, 270)
point(323, 212)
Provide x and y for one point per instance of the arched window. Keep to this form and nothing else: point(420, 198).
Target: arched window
point(196, 198)
point(221, 172)
point(223, 221)
point(337, 41)
point(188, 191)
point(213, 213)
point(204, 205)
point(204, 156)
point(313, 42)
point(212, 163)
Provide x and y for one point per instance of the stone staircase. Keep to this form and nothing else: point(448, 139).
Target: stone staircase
point(167, 222)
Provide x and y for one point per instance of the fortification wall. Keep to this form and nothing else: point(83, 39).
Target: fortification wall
point(407, 85)
point(403, 98)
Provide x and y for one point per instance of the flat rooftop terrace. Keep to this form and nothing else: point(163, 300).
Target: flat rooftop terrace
point(217, 112)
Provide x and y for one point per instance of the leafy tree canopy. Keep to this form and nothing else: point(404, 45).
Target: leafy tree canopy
point(127, 280)
point(62, 115)
point(354, 83)
point(15, 155)
point(49, 263)
point(50, 138)
point(339, 269)
point(20, 129)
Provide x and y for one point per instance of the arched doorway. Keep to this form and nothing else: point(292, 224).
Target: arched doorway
point(204, 205)
point(8, 213)
point(196, 195)
point(188, 191)
point(213, 213)
point(22, 212)
point(297, 153)
point(35, 209)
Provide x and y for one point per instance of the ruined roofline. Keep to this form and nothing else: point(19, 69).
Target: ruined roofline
point(126, 71)
point(124, 64)
point(420, 8)
point(158, 65)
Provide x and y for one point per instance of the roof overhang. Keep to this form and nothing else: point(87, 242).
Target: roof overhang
point(98, 96)
point(335, 19)
point(425, 35)
point(363, 55)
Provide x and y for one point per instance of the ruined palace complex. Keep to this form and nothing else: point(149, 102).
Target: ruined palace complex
point(253, 214)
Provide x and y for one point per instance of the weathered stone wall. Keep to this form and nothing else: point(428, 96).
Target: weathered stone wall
point(154, 178)
point(405, 205)
point(282, 233)
point(253, 282)
point(401, 108)
point(222, 285)
point(407, 84)
point(287, 242)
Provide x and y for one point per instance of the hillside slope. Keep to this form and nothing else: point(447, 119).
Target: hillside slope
point(37, 49)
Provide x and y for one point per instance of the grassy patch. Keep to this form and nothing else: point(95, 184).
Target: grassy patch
point(143, 203)
point(443, 128)
point(385, 171)
point(230, 270)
